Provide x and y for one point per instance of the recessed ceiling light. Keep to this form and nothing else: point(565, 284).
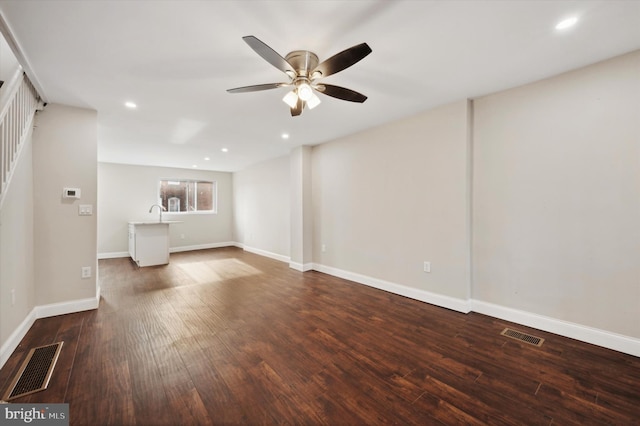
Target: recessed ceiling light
point(207, 158)
point(285, 136)
point(566, 23)
point(195, 166)
point(130, 105)
point(225, 150)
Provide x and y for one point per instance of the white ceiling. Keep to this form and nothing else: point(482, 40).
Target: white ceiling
point(175, 60)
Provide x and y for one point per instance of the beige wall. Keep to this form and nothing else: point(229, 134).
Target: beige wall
point(388, 199)
point(261, 206)
point(557, 197)
point(126, 193)
point(17, 247)
point(64, 155)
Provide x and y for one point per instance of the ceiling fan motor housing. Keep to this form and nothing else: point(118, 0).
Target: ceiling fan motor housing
point(303, 62)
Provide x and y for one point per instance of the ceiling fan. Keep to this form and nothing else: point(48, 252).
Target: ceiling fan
point(304, 69)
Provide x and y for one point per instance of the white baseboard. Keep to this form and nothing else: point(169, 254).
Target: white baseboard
point(113, 255)
point(302, 267)
point(16, 337)
point(606, 339)
point(200, 247)
point(448, 302)
point(62, 308)
point(45, 311)
point(264, 253)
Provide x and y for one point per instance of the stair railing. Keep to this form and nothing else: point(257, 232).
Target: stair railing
point(16, 119)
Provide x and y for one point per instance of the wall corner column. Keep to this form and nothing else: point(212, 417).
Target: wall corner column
point(301, 254)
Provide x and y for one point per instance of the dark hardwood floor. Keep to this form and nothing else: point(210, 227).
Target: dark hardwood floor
point(227, 337)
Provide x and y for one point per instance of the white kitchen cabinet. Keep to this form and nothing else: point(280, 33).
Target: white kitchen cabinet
point(149, 243)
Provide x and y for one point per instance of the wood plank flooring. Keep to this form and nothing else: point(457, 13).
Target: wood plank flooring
point(223, 336)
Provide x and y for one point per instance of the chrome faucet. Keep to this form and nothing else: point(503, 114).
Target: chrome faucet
point(160, 208)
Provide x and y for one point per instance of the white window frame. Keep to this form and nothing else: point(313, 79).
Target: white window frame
point(214, 197)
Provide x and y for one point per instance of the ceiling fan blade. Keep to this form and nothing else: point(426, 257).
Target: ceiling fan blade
point(343, 60)
point(298, 108)
point(269, 55)
point(257, 87)
point(341, 93)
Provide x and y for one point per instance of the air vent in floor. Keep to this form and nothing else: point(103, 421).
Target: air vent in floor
point(523, 337)
point(35, 372)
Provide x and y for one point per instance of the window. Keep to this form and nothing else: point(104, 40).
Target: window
point(188, 196)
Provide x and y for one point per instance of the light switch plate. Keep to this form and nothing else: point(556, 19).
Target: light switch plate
point(85, 209)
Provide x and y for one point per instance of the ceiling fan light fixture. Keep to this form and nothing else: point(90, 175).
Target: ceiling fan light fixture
point(291, 99)
point(314, 101)
point(303, 68)
point(305, 92)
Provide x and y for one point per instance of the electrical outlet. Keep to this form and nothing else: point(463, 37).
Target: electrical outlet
point(426, 267)
point(86, 272)
point(324, 248)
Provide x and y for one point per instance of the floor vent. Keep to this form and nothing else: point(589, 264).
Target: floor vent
point(523, 337)
point(35, 372)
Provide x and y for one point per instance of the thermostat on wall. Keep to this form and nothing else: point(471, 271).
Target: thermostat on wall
point(71, 193)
